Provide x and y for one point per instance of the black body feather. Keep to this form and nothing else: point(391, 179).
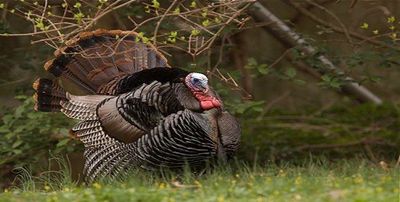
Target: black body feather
point(135, 111)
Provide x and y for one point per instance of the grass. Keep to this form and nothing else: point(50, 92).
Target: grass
point(282, 141)
point(314, 180)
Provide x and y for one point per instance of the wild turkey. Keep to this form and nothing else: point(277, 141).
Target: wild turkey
point(135, 111)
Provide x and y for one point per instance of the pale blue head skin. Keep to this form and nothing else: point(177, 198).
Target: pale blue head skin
point(197, 82)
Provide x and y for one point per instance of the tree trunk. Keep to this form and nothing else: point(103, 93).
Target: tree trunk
point(239, 57)
point(291, 39)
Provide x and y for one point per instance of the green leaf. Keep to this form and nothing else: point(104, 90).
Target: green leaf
point(4, 129)
point(7, 118)
point(205, 23)
point(204, 13)
point(156, 4)
point(9, 135)
point(291, 72)
point(62, 142)
point(16, 144)
point(19, 111)
point(17, 151)
point(251, 63)
point(299, 81)
point(78, 17)
point(177, 11)
point(326, 78)
point(21, 97)
point(263, 69)
point(335, 84)
point(77, 5)
point(193, 4)
point(173, 34)
point(195, 32)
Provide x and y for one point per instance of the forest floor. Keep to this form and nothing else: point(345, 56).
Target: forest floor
point(315, 180)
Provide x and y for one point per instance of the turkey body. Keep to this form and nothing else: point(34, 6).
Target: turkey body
point(135, 111)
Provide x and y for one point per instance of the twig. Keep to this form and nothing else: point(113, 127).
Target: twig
point(292, 39)
point(344, 29)
point(220, 54)
point(353, 3)
point(310, 15)
point(160, 21)
point(239, 58)
point(270, 104)
point(280, 57)
point(229, 81)
point(370, 153)
point(8, 83)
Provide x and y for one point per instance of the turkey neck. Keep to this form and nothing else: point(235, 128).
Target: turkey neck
point(212, 116)
point(189, 101)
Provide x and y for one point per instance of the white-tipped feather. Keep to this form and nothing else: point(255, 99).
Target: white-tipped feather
point(147, 127)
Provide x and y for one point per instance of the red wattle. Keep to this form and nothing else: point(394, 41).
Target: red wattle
point(216, 103)
point(206, 101)
point(206, 105)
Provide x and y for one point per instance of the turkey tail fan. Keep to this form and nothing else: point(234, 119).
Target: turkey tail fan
point(48, 95)
point(95, 61)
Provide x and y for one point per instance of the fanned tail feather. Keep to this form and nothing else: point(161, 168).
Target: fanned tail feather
point(95, 61)
point(48, 95)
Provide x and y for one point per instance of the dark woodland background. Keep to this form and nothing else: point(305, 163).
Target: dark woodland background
point(293, 112)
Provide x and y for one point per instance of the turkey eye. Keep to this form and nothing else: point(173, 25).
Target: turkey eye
point(195, 80)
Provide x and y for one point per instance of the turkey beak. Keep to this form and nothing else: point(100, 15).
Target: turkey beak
point(204, 86)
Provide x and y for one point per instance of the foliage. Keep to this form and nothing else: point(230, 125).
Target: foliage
point(196, 24)
point(389, 30)
point(204, 33)
point(27, 136)
point(366, 131)
point(261, 69)
point(314, 180)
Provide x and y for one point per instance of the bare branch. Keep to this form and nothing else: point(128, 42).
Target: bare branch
point(292, 39)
